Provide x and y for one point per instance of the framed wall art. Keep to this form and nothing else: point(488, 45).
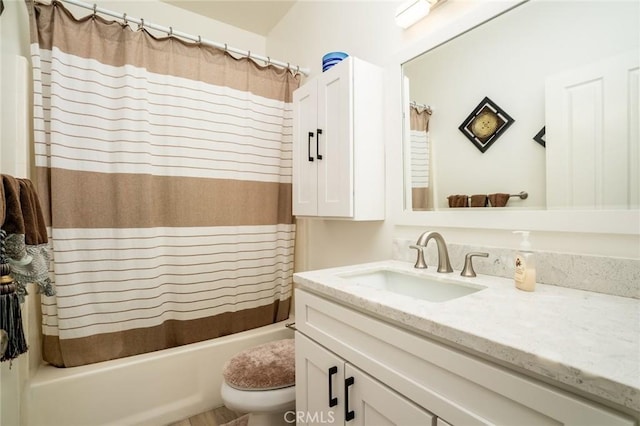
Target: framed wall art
point(540, 137)
point(486, 123)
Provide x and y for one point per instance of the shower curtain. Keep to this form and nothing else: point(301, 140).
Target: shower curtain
point(420, 157)
point(165, 172)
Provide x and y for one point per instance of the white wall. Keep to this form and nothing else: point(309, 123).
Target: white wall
point(366, 29)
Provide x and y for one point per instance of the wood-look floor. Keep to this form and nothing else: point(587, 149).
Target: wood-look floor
point(216, 417)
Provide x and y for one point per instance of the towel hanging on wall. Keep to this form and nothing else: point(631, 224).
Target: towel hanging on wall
point(27, 251)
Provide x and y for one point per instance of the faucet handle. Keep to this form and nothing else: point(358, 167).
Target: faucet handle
point(468, 263)
point(420, 263)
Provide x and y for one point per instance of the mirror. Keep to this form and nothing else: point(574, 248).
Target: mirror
point(523, 103)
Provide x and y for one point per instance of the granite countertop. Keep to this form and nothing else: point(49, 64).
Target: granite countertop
point(589, 341)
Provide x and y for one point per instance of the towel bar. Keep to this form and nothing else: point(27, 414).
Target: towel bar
point(522, 195)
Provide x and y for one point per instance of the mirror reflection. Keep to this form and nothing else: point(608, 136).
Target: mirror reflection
point(540, 101)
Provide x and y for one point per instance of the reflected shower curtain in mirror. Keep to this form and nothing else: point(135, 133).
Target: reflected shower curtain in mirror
point(165, 167)
point(420, 157)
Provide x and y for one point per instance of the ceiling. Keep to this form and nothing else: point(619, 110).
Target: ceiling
point(255, 16)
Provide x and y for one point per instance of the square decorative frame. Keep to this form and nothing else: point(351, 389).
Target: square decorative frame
point(540, 137)
point(486, 123)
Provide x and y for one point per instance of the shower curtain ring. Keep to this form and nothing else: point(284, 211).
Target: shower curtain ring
point(225, 48)
point(141, 25)
point(199, 39)
point(95, 10)
point(124, 18)
point(297, 69)
point(170, 31)
point(268, 61)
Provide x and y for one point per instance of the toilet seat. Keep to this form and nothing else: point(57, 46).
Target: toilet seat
point(263, 367)
point(261, 381)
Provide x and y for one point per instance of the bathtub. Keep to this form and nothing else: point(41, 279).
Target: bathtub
point(149, 389)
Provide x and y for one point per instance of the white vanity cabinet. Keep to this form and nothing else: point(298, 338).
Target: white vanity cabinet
point(330, 390)
point(445, 385)
point(338, 150)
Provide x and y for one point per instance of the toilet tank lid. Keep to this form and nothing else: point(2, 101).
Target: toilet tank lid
point(263, 367)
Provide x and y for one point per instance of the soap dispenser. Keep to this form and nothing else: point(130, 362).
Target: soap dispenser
point(525, 271)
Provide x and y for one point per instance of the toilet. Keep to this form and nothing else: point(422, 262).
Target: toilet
point(261, 381)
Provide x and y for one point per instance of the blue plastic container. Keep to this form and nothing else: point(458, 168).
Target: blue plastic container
point(332, 58)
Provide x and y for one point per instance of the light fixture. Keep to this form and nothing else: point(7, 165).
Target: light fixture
point(411, 11)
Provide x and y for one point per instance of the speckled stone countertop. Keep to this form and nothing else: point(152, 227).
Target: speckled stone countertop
point(589, 341)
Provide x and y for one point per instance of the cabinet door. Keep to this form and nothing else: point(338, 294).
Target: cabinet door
point(369, 402)
point(305, 189)
point(335, 143)
point(319, 384)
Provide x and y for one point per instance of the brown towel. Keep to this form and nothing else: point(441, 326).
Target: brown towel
point(26, 242)
point(498, 200)
point(13, 221)
point(3, 203)
point(479, 200)
point(35, 230)
point(458, 200)
point(22, 211)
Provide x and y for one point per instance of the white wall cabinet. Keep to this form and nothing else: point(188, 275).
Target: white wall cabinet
point(443, 384)
point(330, 390)
point(338, 149)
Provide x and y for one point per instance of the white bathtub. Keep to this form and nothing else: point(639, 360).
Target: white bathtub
point(150, 389)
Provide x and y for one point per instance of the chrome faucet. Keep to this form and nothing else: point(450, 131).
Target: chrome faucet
point(443, 254)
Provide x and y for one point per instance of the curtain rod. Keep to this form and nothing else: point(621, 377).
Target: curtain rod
point(171, 32)
point(423, 106)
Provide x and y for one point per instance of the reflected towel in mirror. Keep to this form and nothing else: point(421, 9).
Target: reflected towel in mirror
point(498, 200)
point(479, 200)
point(458, 200)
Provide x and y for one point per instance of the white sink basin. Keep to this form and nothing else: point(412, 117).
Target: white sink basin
point(417, 286)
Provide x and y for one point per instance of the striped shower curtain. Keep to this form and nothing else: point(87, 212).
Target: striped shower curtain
point(165, 171)
point(420, 157)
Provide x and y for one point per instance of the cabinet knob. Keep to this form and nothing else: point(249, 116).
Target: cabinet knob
point(333, 401)
point(309, 147)
point(318, 133)
point(348, 414)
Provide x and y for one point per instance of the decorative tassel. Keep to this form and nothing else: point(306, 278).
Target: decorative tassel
point(10, 312)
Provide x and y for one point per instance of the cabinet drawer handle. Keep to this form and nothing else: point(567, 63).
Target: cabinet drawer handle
point(348, 414)
point(333, 401)
point(319, 132)
point(309, 146)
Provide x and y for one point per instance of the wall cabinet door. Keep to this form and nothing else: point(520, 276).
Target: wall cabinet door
point(323, 145)
point(305, 166)
point(338, 149)
point(335, 142)
point(329, 390)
